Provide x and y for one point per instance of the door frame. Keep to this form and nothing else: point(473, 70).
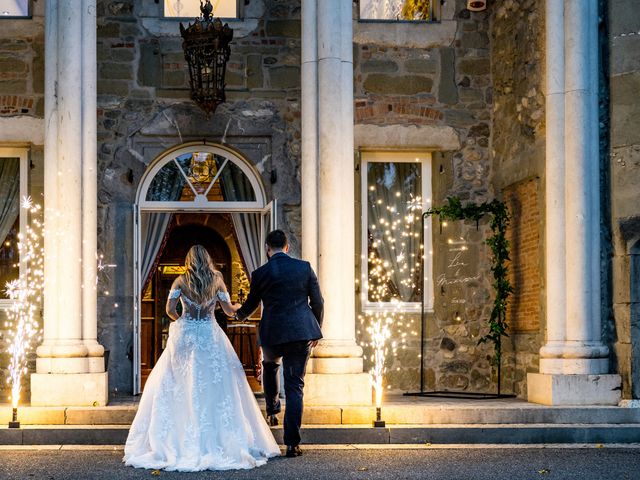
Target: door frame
point(267, 211)
point(23, 155)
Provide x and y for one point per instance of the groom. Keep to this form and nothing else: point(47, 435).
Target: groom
point(292, 308)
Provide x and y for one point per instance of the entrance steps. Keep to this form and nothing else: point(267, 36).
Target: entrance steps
point(408, 421)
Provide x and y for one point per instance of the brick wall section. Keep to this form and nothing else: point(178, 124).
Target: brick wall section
point(16, 105)
point(524, 311)
point(518, 155)
point(22, 73)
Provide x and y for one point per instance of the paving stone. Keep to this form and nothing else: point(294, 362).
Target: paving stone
point(100, 416)
point(11, 436)
point(112, 435)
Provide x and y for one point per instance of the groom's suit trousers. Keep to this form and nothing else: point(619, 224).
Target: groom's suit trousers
point(293, 356)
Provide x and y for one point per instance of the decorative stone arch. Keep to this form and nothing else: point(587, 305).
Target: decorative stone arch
point(174, 161)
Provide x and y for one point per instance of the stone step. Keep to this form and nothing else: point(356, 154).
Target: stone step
point(398, 414)
point(358, 434)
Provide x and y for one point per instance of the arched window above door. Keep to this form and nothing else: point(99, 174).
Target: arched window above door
point(201, 176)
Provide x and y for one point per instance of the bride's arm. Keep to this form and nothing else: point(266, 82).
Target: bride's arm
point(225, 301)
point(172, 300)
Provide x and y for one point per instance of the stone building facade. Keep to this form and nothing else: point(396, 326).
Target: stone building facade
point(468, 92)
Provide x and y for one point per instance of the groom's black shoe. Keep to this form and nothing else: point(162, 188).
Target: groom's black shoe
point(293, 451)
point(273, 420)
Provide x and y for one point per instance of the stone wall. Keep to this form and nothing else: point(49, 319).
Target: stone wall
point(428, 87)
point(21, 111)
point(623, 169)
point(518, 132)
point(143, 109)
point(22, 67)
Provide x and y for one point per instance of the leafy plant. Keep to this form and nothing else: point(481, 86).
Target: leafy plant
point(497, 242)
point(416, 9)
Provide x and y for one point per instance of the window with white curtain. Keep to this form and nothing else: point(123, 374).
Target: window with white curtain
point(13, 187)
point(15, 8)
point(191, 8)
point(399, 10)
point(396, 189)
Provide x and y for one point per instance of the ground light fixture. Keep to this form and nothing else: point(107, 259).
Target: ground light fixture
point(378, 422)
point(14, 423)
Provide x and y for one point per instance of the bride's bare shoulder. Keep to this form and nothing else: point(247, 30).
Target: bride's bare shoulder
point(178, 282)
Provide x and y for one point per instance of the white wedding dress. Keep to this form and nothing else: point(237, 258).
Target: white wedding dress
point(197, 411)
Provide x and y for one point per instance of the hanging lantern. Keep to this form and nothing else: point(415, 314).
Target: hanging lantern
point(206, 50)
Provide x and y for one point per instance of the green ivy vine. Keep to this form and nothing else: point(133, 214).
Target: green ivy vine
point(454, 210)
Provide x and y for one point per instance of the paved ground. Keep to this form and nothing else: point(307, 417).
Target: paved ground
point(348, 463)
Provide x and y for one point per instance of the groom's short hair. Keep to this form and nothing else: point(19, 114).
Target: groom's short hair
point(277, 239)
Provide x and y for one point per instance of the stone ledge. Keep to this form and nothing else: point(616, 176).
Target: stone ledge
point(406, 136)
point(557, 389)
point(475, 413)
point(355, 434)
point(405, 34)
point(69, 389)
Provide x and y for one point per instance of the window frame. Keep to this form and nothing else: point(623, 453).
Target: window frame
point(435, 16)
point(395, 156)
point(239, 14)
point(23, 155)
point(28, 16)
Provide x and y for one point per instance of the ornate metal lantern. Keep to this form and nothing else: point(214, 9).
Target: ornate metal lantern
point(206, 49)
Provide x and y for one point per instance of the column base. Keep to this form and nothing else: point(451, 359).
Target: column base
point(337, 389)
point(69, 389)
point(557, 389)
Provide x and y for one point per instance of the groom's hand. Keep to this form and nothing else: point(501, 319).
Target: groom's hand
point(313, 343)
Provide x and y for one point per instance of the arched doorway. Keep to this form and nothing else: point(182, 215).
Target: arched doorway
point(192, 194)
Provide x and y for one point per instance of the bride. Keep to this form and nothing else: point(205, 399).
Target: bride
point(197, 411)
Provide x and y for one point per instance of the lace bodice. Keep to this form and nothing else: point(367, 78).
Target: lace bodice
point(198, 311)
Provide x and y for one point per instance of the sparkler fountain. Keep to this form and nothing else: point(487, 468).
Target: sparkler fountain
point(26, 294)
point(380, 289)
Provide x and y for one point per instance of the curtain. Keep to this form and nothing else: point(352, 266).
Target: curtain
point(381, 9)
point(392, 188)
point(9, 194)
point(166, 186)
point(153, 231)
point(237, 188)
point(247, 227)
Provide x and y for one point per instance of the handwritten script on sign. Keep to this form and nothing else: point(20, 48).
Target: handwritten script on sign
point(452, 276)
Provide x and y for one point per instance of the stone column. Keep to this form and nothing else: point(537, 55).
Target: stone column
point(70, 363)
point(574, 361)
point(335, 371)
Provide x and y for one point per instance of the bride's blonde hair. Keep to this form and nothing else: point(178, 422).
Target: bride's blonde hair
point(201, 278)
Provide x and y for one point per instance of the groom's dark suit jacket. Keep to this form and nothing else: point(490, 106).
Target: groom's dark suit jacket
point(292, 305)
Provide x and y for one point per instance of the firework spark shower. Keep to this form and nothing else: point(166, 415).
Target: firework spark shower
point(380, 289)
point(23, 317)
